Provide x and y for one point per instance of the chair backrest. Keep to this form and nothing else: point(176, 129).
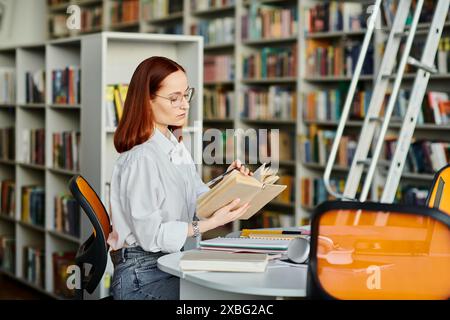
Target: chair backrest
point(94, 251)
point(356, 255)
point(439, 195)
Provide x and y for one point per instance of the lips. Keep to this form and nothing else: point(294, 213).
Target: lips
point(181, 115)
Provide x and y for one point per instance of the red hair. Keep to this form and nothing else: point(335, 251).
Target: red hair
point(137, 123)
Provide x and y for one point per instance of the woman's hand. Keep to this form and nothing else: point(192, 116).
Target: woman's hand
point(237, 164)
point(225, 214)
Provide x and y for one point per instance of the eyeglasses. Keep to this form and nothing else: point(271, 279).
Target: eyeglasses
point(176, 100)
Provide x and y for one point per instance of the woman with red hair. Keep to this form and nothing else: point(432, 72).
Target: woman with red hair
point(155, 185)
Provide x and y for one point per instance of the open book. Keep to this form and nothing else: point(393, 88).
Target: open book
point(223, 261)
point(258, 190)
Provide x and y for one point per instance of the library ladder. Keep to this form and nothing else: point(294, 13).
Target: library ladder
point(373, 120)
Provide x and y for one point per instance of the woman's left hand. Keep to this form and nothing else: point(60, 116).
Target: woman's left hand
point(237, 164)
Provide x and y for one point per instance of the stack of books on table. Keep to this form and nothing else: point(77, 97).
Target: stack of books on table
point(198, 260)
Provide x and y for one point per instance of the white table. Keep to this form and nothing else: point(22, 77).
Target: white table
point(277, 282)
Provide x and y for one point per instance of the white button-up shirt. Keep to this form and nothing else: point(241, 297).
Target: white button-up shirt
point(154, 190)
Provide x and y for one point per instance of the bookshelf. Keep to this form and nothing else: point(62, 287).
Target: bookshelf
point(304, 82)
point(43, 172)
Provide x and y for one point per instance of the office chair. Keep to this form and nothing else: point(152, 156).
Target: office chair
point(379, 251)
point(92, 255)
point(439, 195)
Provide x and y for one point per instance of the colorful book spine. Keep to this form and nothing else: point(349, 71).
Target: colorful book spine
point(269, 22)
point(124, 11)
point(33, 205)
point(66, 146)
point(34, 265)
point(7, 85)
point(7, 145)
point(218, 103)
point(66, 85)
point(8, 253)
point(218, 68)
point(276, 102)
point(271, 62)
point(35, 87)
point(67, 215)
point(33, 146)
point(216, 31)
point(8, 198)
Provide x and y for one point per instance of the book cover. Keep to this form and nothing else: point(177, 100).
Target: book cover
point(258, 190)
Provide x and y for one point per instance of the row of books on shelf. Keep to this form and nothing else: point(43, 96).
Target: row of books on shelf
point(7, 146)
point(66, 85)
point(8, 198)
point(225, 151)
point(33, 205)
point(327, 105)
point(443, 57)
point(35, 86)
point(91, 18)
point(269, 22)
point(328, 58)
point(8, 253)
point(201, 5)
point(271, 62)
point(52, 3)
point(423, 156)
point(124, 11)
point(276, 102)
point(67, 215)
point(215, 31)
point(7, 85)
point(218, 103)
point(316, 147)
point(335, 16)
point(61, 261)
point(66, 146)
point(313, 192)
point(33, 146)
point(155, 9)
point(115, 101)
point(276, 145)
point(34, 265)
point(426, 15)
point(218, 68)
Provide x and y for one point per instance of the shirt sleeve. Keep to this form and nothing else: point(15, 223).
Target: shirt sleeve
point(200, 186)
point(144, 196)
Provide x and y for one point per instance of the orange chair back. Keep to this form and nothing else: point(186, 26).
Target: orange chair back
point(353, 256)
point(97, 206)
point(439, 196)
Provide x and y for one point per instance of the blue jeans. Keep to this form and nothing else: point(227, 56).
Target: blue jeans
point(137, 277)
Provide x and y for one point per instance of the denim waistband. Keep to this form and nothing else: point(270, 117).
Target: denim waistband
point(124, 254)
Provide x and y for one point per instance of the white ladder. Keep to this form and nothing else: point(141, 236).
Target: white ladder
point(373, 120)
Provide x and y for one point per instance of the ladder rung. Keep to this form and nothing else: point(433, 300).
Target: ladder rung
point(380, 163)
point(401, 34)
point(416, 63)
point(376, 119)
point(364, 162)
point(384, 163)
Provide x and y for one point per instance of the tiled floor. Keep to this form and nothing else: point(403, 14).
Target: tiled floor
point(13, 290)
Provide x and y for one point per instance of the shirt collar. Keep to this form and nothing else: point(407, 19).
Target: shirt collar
point(167, 145)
